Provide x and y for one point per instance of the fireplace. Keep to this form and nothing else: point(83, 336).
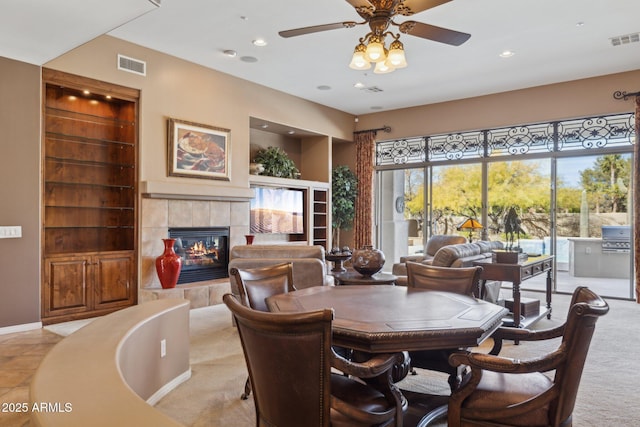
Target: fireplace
point(204, 252)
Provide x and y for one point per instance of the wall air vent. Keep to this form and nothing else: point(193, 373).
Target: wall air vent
point(372, 89)
point(132, 65)
point(626, 39)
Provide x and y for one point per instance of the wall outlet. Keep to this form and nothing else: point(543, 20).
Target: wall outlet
point(587, 250)
point(13, 232)
point(163, 348)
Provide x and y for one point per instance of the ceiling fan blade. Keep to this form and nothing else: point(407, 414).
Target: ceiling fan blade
point(364, 7)
point(317, 28)
point(431, 32)
point(410, 7)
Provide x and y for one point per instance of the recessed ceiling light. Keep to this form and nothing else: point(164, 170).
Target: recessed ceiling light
point(579, 24)
point(259, 42)
point(248, 59)
point(324, 87)
point(264, 126)
point(291, 132)
point(230, 53)
point(359, 85)
point(507, 53)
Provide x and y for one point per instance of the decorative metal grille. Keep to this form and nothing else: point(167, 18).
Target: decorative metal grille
point(520, 140)
point(401, 151)
point(576, 134)
point(456, 146)
point(596, 132)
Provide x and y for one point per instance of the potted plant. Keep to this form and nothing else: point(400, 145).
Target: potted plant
point(276, 162)
point(344, 190)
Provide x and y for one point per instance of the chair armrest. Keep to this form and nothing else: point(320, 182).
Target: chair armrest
point(506, 333)
point(492, 363)
point(378, 364)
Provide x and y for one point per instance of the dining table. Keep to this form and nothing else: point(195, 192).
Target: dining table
point(387, 319)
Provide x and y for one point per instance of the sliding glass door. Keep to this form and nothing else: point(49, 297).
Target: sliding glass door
point(594, 224)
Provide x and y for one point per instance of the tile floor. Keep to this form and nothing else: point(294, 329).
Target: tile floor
point(20, 356)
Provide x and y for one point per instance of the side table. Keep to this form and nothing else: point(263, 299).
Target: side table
point(352, 277)
point(516, 274)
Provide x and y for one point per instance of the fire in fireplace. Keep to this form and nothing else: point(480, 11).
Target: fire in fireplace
point(204, 253)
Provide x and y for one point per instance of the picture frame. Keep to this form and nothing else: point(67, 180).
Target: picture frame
point(198, 151)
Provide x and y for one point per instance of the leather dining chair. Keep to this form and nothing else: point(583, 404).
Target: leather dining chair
point(289, 358)
point(257, 284)
point(499, 391)
point(459, 280)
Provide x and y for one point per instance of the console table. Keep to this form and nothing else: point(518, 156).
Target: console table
point(516, 274)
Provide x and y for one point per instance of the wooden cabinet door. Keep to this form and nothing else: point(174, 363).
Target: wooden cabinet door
point(113, 280)
point(67, 284)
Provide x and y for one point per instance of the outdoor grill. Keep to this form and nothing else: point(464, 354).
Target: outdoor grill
point(616, 238)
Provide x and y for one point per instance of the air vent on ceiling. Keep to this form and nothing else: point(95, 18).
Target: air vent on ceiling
point(132, 65)
point(626, 39)
point(372, 89)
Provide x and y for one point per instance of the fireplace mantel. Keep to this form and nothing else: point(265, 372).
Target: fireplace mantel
point(191, 191)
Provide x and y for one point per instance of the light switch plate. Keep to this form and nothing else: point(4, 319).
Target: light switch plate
point(13, 232)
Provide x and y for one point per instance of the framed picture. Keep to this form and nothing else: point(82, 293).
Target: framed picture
point(198, 151)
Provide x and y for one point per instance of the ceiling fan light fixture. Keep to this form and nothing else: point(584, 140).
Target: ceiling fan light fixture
point(359, 60)
point(396, 55)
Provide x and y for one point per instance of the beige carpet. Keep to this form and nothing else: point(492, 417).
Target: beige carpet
point(607, 397)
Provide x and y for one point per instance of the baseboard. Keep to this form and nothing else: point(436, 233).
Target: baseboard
point(168, 387)
point(20, 328)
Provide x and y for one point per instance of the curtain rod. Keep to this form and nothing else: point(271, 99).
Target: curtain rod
point(386, 129)
point(624, 95)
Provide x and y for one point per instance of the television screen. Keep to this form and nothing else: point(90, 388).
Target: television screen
point(277, 210)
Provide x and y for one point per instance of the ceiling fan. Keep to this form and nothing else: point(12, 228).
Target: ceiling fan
point(379, 15)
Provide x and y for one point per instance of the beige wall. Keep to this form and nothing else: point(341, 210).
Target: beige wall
point(183, 90)
point(580, 98)
point(19, 192)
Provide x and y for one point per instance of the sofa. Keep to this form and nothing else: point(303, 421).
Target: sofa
point(309, 268)
point(434, 244)
point(459, 255)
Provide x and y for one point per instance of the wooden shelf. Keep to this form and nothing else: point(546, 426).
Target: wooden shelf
point(89, 198)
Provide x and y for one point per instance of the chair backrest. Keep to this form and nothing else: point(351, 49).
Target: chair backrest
point(257, 284)
point(459, 280)
point(585, 308)
point(288, 357)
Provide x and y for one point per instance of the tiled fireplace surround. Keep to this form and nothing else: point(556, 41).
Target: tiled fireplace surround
point(158, 215)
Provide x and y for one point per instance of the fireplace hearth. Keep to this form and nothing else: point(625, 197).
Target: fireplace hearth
point(204, 252)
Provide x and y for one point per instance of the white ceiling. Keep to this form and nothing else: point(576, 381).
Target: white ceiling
point(549, 44)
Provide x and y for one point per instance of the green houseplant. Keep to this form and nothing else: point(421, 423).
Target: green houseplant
point(344, 190)
point(276, 162)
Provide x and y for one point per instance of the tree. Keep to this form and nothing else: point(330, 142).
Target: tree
point(605, 183)
point(344, 190)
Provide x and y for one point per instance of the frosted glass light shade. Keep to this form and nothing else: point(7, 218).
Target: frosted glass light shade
point(375, 50)
point(359, 60)
point(396, 55)
point(383, 67)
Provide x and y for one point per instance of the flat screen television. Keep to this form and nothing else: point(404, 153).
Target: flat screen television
point(277, 210)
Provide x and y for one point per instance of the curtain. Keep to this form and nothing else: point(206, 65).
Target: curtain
point(636, 199)
point(365, 156)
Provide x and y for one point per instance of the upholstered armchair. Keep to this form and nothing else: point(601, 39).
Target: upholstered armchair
point(499, 391)
point(289, 359)
point(459, 280)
